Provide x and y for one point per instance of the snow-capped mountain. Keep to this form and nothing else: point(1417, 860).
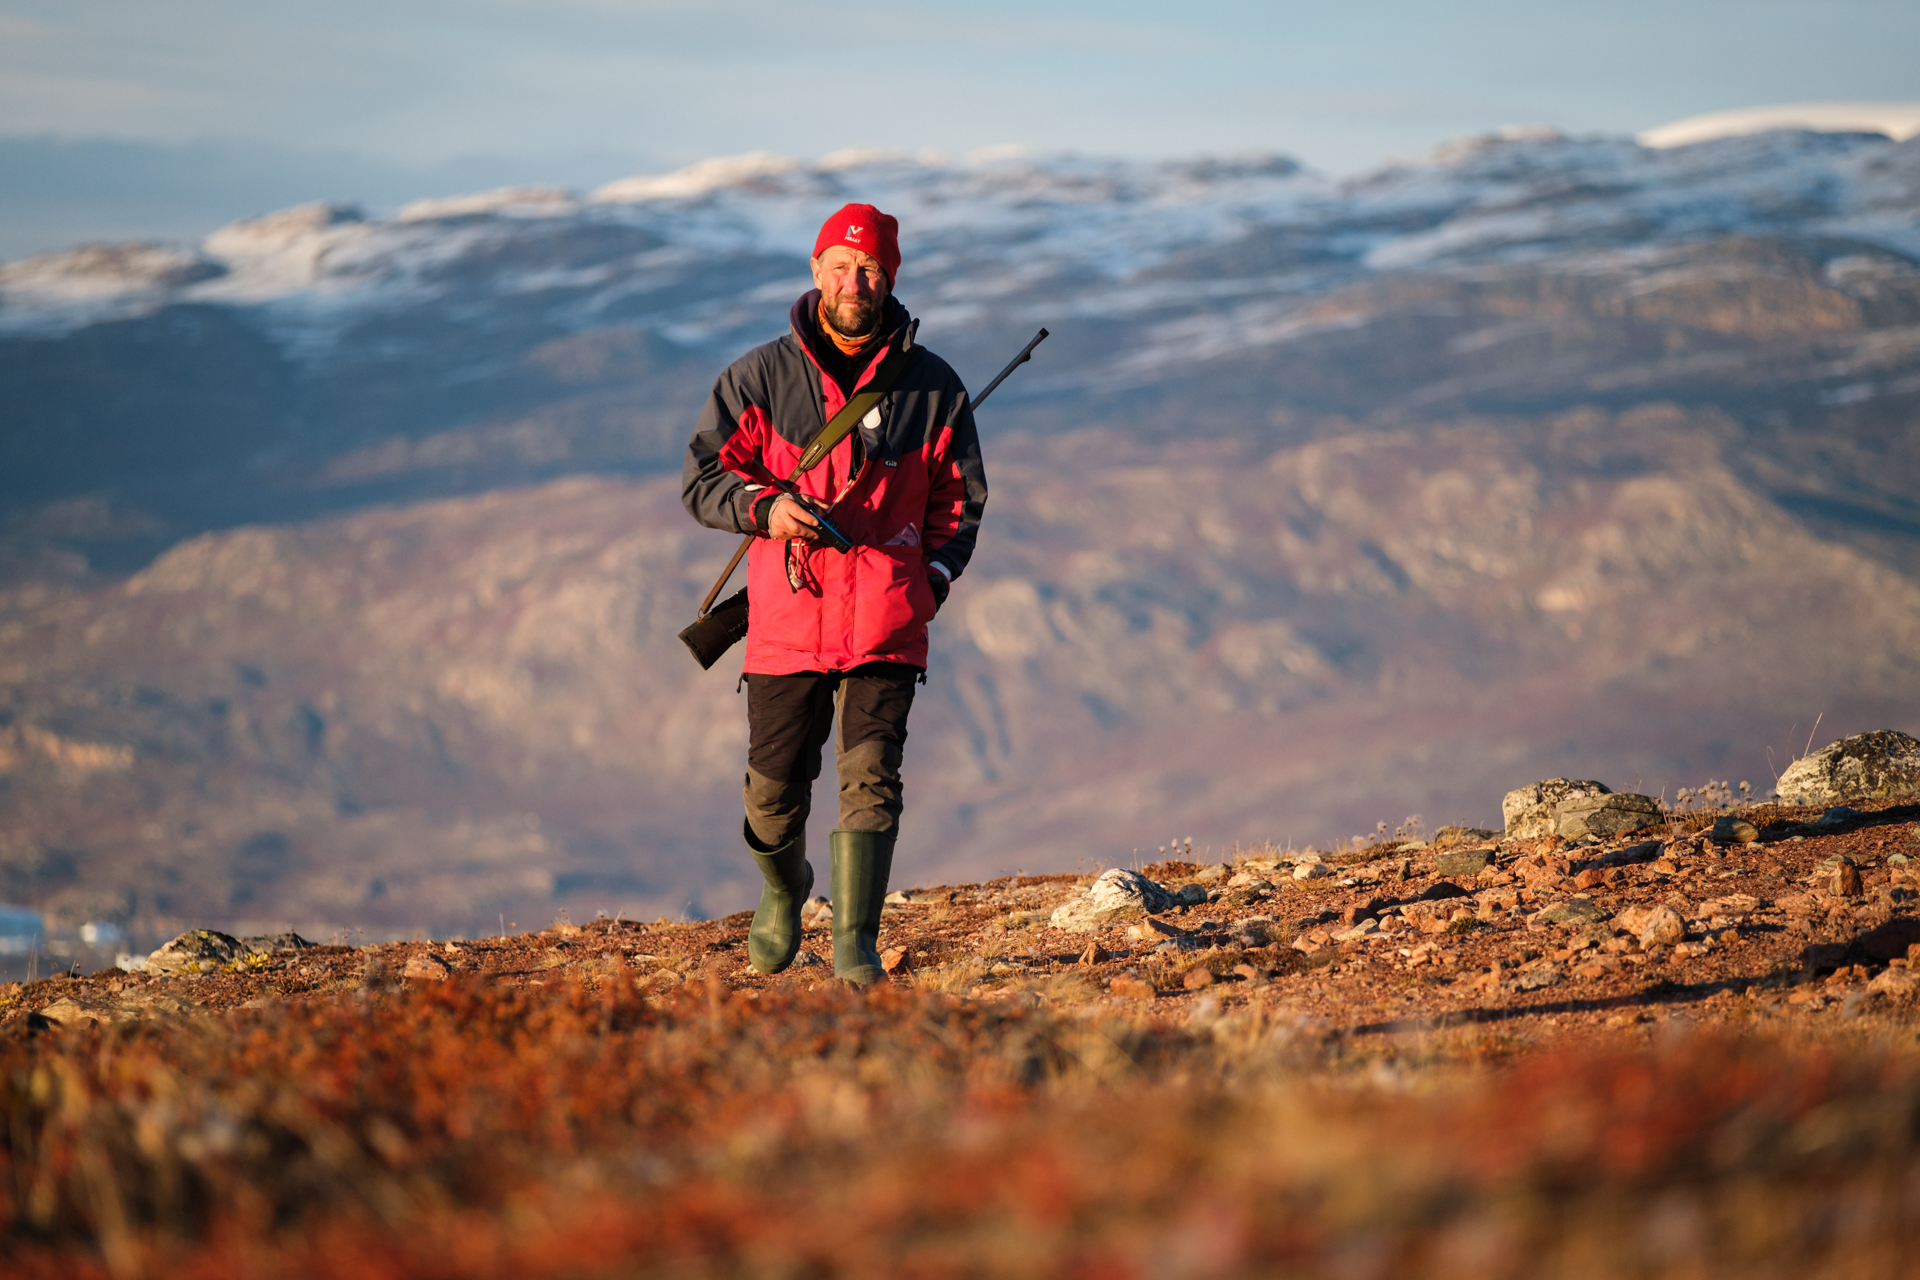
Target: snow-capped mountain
point(1091, 235)
point(339, 575)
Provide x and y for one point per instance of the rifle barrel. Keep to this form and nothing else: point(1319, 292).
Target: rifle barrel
point(1026, 354)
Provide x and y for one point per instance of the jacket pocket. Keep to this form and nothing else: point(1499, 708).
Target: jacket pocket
point(893, 601)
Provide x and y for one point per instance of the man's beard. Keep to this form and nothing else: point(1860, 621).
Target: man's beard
point(852, 317)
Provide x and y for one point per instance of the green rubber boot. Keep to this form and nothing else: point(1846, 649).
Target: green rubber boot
point(861, 861)
point(773, 940)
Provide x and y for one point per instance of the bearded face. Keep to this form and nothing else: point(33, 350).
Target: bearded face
point(853, 290)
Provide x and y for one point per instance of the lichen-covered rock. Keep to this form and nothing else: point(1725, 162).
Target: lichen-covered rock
point(1117, 895)
point(1867, 766)
point(1604, 816)
point(1529, 810)
point(274, 944)
point(196, 951)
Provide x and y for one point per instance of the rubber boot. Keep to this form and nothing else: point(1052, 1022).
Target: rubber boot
point(861, 861)
point(773, 940)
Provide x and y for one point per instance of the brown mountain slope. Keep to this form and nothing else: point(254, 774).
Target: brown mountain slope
point(443, 714)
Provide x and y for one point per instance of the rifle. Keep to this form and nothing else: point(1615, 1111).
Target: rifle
point(716, 630)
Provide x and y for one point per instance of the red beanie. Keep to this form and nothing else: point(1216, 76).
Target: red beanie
point(863, 227)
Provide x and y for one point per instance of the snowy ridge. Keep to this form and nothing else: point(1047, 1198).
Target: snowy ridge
point(1897, 120)
point(716, 250)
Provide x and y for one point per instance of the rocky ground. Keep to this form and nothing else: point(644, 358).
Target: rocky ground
point(1546, 938)
point(1657, 1054)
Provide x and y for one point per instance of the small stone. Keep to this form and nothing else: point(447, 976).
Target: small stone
point(1197, 978)
point(1690, 950)
point(1248, 973)
point(1432, 917)
point(1117, 895)
point(816, 913)
point(1731, 830)
point(1572, 911)
point(896, 962)
point(1358, 931)
point(808, 960)
point(1846, 880)
point(68, 1013)
point(1130, 988)
point(1191, 895)
point(424, 966)
point(1154, 929)
point(1591, 878)
point(1545, 975)
point(1654, 926)
point(1645, 851)
point(1896, 982)
point(1095, 954)
point(1312, 871)
point(1467, 862)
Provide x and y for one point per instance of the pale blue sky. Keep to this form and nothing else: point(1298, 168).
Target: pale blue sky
point(439, 94)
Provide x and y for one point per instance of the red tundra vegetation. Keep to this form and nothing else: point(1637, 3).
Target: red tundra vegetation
point(626, 1099)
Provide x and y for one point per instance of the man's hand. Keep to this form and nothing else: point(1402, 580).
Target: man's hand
point(789, 519)
point(941, 586)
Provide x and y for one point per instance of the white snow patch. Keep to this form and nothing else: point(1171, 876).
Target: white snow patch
point(703, 178)
point(540, 202)
point(1898, 120)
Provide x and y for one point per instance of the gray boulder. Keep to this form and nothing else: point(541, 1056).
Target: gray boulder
point(1867, 766)
point(1529, 810)
point(1605, 816)
point(1117, 895)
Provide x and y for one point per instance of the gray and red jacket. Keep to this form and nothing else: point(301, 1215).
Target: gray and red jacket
point(907, 489)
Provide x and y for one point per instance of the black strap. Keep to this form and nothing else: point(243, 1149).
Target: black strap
point(858, 406)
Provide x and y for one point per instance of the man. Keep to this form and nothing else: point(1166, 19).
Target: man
point(828, 630)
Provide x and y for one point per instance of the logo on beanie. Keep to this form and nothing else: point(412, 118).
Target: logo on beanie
point(853, 230)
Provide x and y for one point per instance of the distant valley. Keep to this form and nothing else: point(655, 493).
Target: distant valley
point(341, 559)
